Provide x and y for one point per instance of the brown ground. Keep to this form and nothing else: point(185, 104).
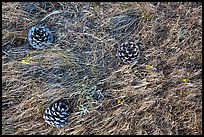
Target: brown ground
point(159, 95)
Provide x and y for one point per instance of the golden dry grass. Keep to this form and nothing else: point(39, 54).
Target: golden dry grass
point(159, 95)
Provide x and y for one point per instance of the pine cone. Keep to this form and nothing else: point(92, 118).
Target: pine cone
point(129, 52)
point(57, 114)
point(40, 37)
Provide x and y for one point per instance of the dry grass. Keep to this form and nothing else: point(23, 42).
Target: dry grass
point(159, 95)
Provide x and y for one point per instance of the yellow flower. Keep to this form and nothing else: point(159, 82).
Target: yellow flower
point(23, 61)
point(184, 79)
point(26, 59)
point(120, 102)
point(149, 67)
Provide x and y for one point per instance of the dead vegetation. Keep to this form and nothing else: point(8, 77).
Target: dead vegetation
point(159, 95)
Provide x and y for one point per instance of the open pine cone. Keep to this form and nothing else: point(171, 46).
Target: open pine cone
point(40, 37)
point(57, 114)
point(129, 52)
